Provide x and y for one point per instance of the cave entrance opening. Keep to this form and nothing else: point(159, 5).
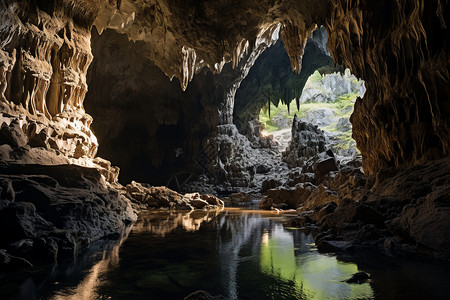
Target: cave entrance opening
point(326, 102)
point(320, 99)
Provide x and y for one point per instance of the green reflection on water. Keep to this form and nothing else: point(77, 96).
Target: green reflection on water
point(314, 275)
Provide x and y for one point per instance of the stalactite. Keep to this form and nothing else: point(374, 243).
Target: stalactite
point(294, 38)
point(188, 66)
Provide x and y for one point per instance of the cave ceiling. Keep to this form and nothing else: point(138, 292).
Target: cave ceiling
point(183, 36)
point(400, 48)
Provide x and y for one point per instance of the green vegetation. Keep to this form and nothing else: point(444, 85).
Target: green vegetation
point(281, 110)
point(314, 276)
point(341, 108)
point(316, 77)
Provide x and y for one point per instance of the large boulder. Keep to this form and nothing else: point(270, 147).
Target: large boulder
point(287, 197)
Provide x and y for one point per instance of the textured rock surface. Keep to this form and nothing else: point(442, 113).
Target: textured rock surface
point(404, 61)
point(53, 211)
point(43, 80)
point(331, 87)
point(306, 141)
point(149, 197)
point(236, 160)
point(400, 211)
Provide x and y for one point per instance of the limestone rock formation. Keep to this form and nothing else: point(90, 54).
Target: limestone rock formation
point(55, 211)
point(43, 81)
point(165, 129)
point(306, 141)
point(398, 211)
point(331, 87)
point(404, 61)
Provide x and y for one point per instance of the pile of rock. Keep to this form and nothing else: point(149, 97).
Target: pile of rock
point(302, 187)
point(148, 197)
point(231, 161)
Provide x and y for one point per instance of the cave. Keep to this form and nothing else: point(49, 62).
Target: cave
point(134, 162)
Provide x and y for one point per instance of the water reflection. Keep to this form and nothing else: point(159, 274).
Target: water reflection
point(314, 276)
point(241, 255)
point(161, 223)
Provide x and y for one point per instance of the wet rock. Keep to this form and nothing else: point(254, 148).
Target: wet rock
point(303, 220)
point(240, 198)
point(417, 206)
point(285, 196)
point(266, 203)
point(158, 197)
point(360, 277)
point(198, 203)
point(353, 212)
point(321, 211)
point(319, 195)
point(58, 210)
point(212, 200)
point(163, 197)
point(326, 245)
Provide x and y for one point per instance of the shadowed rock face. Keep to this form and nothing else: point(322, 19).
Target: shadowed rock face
point(401, 51)
point(145, 122)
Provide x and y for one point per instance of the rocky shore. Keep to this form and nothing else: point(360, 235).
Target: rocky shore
point(51, 212)
point(397, 211)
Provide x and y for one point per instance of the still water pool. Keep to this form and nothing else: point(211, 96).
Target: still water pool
point(235, 253)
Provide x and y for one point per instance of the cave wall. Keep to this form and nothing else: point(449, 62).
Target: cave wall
point(44, 57)
point(400, 49)
point(272, 79)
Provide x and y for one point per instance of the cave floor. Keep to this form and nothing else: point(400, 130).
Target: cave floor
point(234, 252)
